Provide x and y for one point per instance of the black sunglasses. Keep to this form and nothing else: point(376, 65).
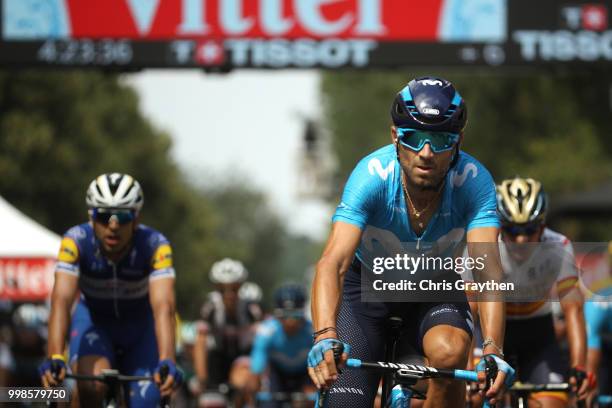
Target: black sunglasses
point(515, 230)
point(105, 215)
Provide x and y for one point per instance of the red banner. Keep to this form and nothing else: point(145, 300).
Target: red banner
point(26, 279)
point(380, 20)
point(164, 19)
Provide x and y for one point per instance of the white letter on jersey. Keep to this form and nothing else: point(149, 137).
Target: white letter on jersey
point(459, 179)
point(374, 164)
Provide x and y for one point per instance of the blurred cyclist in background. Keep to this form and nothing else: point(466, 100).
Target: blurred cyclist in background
point(29, 341)
point(125, 316)
point(281, 346)
point(251, 293)
point(598, 316)
point(536, 256)
point(226, 332)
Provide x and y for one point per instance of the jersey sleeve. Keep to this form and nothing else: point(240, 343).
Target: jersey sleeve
point(594, 316)
point(361, 191)
point(161, 262)
point(261, 345)
point(479, 194)
point(68, 257)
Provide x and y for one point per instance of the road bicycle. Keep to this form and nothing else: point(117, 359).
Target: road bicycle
point(114, 381)
point(399, 379)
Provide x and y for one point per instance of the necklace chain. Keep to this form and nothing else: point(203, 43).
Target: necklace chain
point(416, 212)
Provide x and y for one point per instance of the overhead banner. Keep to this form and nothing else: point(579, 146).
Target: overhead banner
point(225, 34)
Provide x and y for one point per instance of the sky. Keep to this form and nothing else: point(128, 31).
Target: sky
point(243, 124)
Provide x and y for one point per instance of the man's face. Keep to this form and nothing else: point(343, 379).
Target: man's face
point(229, 293)
point(291, 325)
point(115, 231)
point(424, 169)
point(522, 240)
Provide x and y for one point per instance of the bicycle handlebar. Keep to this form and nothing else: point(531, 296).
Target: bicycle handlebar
point(109, 375)
point(416, 372)
point(526, 387)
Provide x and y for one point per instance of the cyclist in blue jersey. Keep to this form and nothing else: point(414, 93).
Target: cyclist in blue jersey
point(125, 314)
point(420, 189)
point(598, 317)
point(281, 345)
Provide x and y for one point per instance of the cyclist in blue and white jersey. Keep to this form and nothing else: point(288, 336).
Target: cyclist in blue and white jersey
point(419, 189)
point(124, 317)
point(281, 346)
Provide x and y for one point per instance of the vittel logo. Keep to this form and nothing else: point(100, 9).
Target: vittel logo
point(272, 17)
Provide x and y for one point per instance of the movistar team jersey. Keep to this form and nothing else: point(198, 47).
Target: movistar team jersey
point(288, 354)
point(115, 290)
point(373, 200)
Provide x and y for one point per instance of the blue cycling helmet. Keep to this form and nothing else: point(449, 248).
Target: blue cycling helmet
point(290, 296)
point(431, 104)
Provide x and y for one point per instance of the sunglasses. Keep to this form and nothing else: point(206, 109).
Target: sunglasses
point(229, 288)
point(516, 230)
point(104, 216)
point(289, 313)
point(416, 139)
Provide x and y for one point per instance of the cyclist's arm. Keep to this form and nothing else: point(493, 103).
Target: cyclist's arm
point(595, 321)
point(575, 327)
point(327, 285)
point(492, 313)
point(161, 297)
point(259, 356)
point(62, 297)
point(200, 355)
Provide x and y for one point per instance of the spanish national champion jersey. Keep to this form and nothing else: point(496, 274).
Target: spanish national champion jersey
point(115, 290)
point(374, 201)
point(550, 272)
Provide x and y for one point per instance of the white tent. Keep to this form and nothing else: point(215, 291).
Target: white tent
point(27, 256)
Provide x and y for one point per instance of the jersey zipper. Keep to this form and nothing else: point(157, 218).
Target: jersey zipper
point(115, 298)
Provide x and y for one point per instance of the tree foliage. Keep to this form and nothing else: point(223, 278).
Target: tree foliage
point(58, 130)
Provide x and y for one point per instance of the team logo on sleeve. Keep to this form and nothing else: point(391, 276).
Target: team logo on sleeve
point(68, 252)
point(163, 257)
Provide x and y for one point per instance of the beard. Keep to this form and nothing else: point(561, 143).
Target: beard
point(428, 184)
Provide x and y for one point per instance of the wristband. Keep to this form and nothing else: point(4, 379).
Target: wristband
point(323, 331)
point(490, 342)
point(58, 357)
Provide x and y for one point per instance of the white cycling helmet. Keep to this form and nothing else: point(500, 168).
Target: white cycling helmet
point(250, 292)
point(115, 190)
point(228, 271)
point(30, 316)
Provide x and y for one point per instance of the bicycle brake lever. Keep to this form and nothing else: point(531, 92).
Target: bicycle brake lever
point(338, 349)
point(490, 373)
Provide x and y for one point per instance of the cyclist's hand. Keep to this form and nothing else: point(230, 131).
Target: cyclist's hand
point(321, 364)
point(52, 371)
point(503, 380)
point(582, 382)
point(173, 379)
